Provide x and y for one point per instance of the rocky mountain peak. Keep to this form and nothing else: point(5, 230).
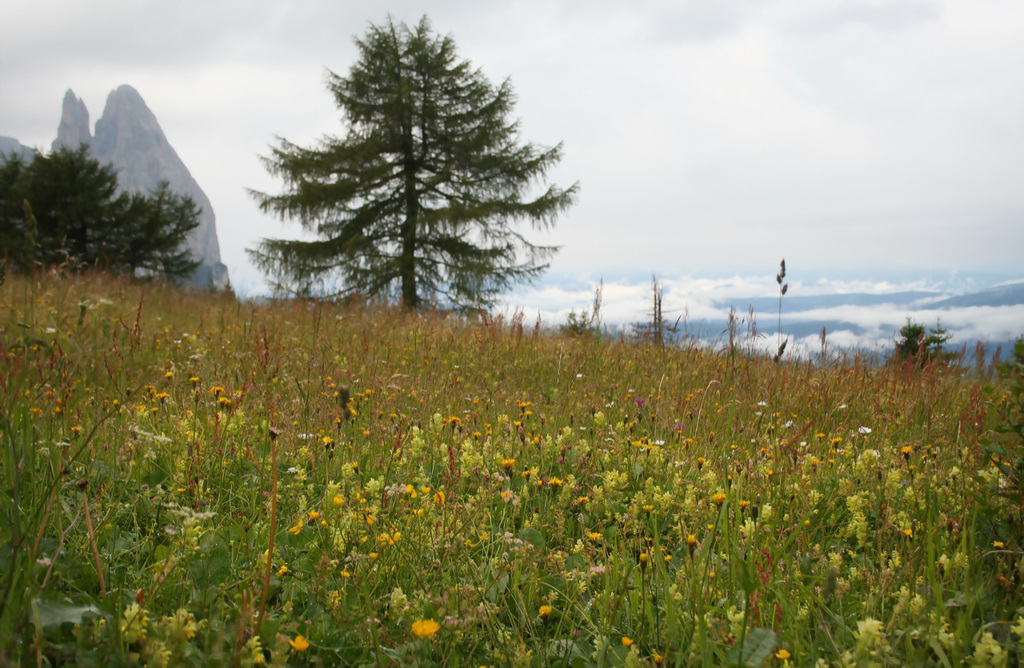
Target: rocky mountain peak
point(73, 130)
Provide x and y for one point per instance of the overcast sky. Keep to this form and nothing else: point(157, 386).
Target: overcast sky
point(862, 140)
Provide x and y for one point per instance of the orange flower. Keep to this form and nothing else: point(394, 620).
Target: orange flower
point(424, 628)
point(300, 644)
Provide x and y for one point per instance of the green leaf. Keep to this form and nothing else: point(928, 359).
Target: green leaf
point(48, 614)
point(756, 647)
point(534, 536)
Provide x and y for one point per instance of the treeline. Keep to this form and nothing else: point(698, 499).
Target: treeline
point(65, 209)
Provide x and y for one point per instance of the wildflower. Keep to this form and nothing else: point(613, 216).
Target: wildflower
point(555, 482)
point(627, 641)
point(644, 558)
point(998, 544)
point(439, 497)
point(508, 463)
point(425, 628)
point(545, 611)
point(864, 431)
point(783, 654)
point(299, 644)
point(134, 622)
point(593, 535)
point(718, 498)
point(283, 571)
point(988, 652)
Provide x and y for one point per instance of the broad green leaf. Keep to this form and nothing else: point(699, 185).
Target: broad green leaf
point(756, 647)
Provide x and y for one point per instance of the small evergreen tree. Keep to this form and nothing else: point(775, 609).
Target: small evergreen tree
point(156, 228)
point(921, 346)
point(419, 197)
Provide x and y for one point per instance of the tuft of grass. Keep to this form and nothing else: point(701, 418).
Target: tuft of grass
point(193, 480)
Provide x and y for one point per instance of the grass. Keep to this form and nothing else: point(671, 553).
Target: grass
point(191, 480)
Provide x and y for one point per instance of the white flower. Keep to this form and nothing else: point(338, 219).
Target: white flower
point(864, 430)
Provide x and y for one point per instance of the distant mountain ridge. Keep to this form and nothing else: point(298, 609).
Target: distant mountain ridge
point(11, 146)
point(129, 138)
point(1011, 294)
point(801, 315)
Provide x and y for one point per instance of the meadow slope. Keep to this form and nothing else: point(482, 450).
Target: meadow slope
point(192, 480)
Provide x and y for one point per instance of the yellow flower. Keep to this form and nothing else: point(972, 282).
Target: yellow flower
point(134, 622)
point(545, 611)
point(718, 498)
point(627, 641)
point(424, 628)
point(998, 544)
point(439, 497)
point(782, 654)
point(300, 644)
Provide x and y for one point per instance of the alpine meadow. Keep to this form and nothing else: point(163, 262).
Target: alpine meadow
point(192, 480)
point(375, 466)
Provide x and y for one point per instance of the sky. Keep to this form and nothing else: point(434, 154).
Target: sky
point(868, 142)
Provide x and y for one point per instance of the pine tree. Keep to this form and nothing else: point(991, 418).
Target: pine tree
point(419, 198)
point(921, 346)
point(154, 232)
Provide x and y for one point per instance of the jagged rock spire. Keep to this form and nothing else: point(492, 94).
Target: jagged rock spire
point(73, 130)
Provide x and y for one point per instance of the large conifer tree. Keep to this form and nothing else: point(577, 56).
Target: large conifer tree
point(420, 197)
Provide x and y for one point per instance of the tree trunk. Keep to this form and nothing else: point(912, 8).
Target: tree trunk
point(407, 258)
